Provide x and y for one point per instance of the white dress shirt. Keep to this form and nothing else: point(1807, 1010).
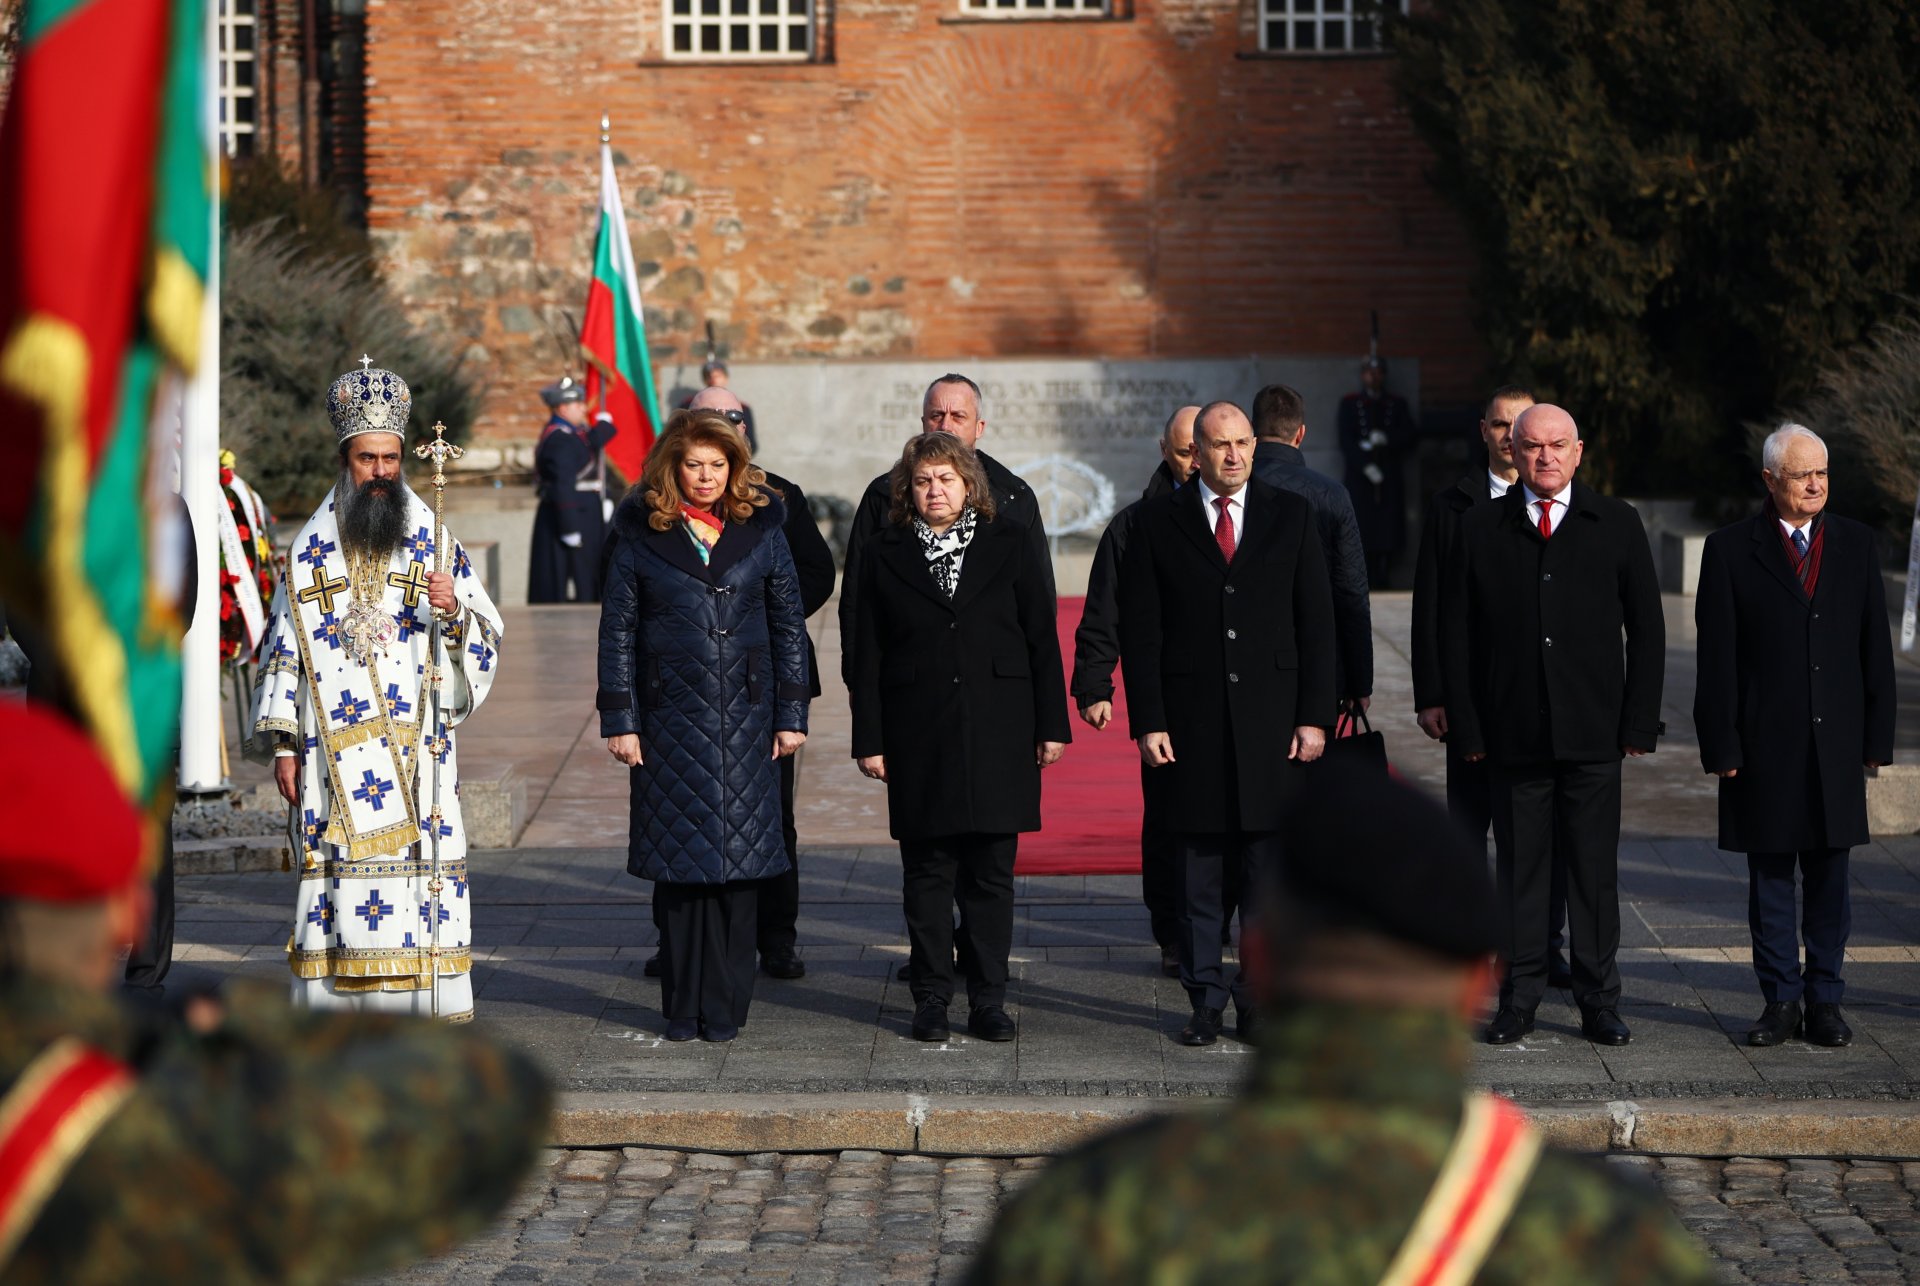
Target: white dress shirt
point(1236, 508)
point(1559, 500)
point(1496, 485)
point(1787, 529)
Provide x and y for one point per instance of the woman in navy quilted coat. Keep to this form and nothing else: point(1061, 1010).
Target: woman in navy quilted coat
point(703, 688)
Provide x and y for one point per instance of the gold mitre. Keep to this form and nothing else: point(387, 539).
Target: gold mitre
point(369, 400)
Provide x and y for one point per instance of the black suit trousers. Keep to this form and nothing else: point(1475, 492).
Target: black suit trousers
point(1470, 804)
point(779, 901)
point(1216, 871)
point(976, 872)
point(1568, 810)
point(706, 949)
point(1826, 918)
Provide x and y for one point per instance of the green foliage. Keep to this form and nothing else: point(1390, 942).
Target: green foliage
point(1680, 208)
point(290, 324)
point(1864, 408)
point(260, 191)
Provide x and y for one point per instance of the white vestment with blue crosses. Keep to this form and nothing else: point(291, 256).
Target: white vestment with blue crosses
point(362, 921)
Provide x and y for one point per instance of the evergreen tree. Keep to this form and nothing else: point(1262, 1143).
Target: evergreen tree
point(1681, 209)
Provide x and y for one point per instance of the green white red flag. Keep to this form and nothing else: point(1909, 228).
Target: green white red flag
point(613, 338)
point(106, 198)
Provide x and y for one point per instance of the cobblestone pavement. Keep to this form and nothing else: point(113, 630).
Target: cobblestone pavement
point(861, 1217)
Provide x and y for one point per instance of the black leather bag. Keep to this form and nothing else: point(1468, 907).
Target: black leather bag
point(1354, 742)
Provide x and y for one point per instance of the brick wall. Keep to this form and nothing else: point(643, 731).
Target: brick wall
point(940, 189)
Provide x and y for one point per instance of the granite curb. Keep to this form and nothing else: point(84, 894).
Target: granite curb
point(1012, 1126)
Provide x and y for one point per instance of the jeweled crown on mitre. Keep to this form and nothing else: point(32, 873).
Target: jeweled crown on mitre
point(369, 400)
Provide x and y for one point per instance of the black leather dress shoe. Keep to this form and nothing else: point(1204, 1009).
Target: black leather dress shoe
point(990, 1022)
point(1778, 1021)
point(1203, 1028)
point(784, 965)
point(1559, 974)
point(930, 1021)
point(1508, 1026)
point(1603, 1027)
point(682, 1028)
point(1825, 1026)
point(1243, 1024)
point(652, 967)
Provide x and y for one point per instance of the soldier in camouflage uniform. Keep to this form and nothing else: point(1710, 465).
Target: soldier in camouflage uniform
point(259, 1144)
point(1321, 1169)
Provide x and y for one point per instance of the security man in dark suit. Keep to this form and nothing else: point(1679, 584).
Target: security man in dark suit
point(1279, 430)
point(952, 405)
point(1096, 651)
point(778, 902)
point(1227, 644)
point(1548, 580)
point(1796, 694)
point(1469, 797)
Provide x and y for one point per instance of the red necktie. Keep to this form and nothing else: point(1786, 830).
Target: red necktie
point(1546, 523)
point(1223, 530)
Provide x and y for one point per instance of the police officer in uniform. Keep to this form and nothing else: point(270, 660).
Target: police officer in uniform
point(1356, 1147)
point(570, 468)
point(249, 1143)
point(1376, 430)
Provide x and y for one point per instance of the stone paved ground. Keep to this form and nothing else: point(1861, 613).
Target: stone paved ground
point(858, 1217)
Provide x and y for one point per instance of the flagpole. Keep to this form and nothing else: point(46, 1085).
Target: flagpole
point(201, 742)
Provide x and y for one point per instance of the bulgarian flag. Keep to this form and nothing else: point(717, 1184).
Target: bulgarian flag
point(106, 191)
point(613, 338)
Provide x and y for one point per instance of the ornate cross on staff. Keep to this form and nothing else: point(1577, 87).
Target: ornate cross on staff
point(439, 451)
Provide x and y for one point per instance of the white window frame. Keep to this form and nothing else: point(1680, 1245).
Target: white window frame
point(727, 17)
point(1288, 13)
point(1029, 10)
point(236, 124)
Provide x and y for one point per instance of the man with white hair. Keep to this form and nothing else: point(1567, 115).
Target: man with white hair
point(1553, 646)
point(1795, 699)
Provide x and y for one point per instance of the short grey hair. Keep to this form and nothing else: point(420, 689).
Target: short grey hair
point(953, 377)
point(1774, 449)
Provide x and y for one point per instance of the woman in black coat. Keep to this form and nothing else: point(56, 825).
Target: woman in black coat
point(958, 703)
point(703, 687)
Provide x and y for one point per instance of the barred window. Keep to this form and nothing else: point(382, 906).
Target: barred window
point(1034, 8)
point(239, 99)
point(1323, 26)
point(745, 30)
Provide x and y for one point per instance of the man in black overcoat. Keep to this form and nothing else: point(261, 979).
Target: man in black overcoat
point(1795, 698)
point(1096, 651)
point(1279, 430)
point(952, 405)
point(570, 471)
point(1469, 797)
point(1227, 644)
point(1553, 645)
point(778, 904)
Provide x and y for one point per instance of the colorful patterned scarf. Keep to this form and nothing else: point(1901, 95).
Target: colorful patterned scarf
point(703, 529)
point(1806, 570)
point(945, 550)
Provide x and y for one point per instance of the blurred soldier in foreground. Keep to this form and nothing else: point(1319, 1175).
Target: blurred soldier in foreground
point(258, 1145)
point(1356, 1146)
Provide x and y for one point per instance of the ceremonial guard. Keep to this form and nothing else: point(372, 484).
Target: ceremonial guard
point(383, 640)
point(249, 1143)
point(1376, 429)
point(570, 469)
point(1358, 1150)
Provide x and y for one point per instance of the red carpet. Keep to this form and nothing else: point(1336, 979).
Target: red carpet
point(1090, 800)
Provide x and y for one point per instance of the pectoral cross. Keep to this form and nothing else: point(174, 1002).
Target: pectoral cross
point(323, 589)
point(413, 581)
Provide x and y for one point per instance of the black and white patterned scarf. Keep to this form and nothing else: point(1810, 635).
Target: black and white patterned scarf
point(945, 550)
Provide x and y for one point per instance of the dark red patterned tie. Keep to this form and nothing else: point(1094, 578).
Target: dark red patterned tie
point(1546, 523)
point(1223, 530)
